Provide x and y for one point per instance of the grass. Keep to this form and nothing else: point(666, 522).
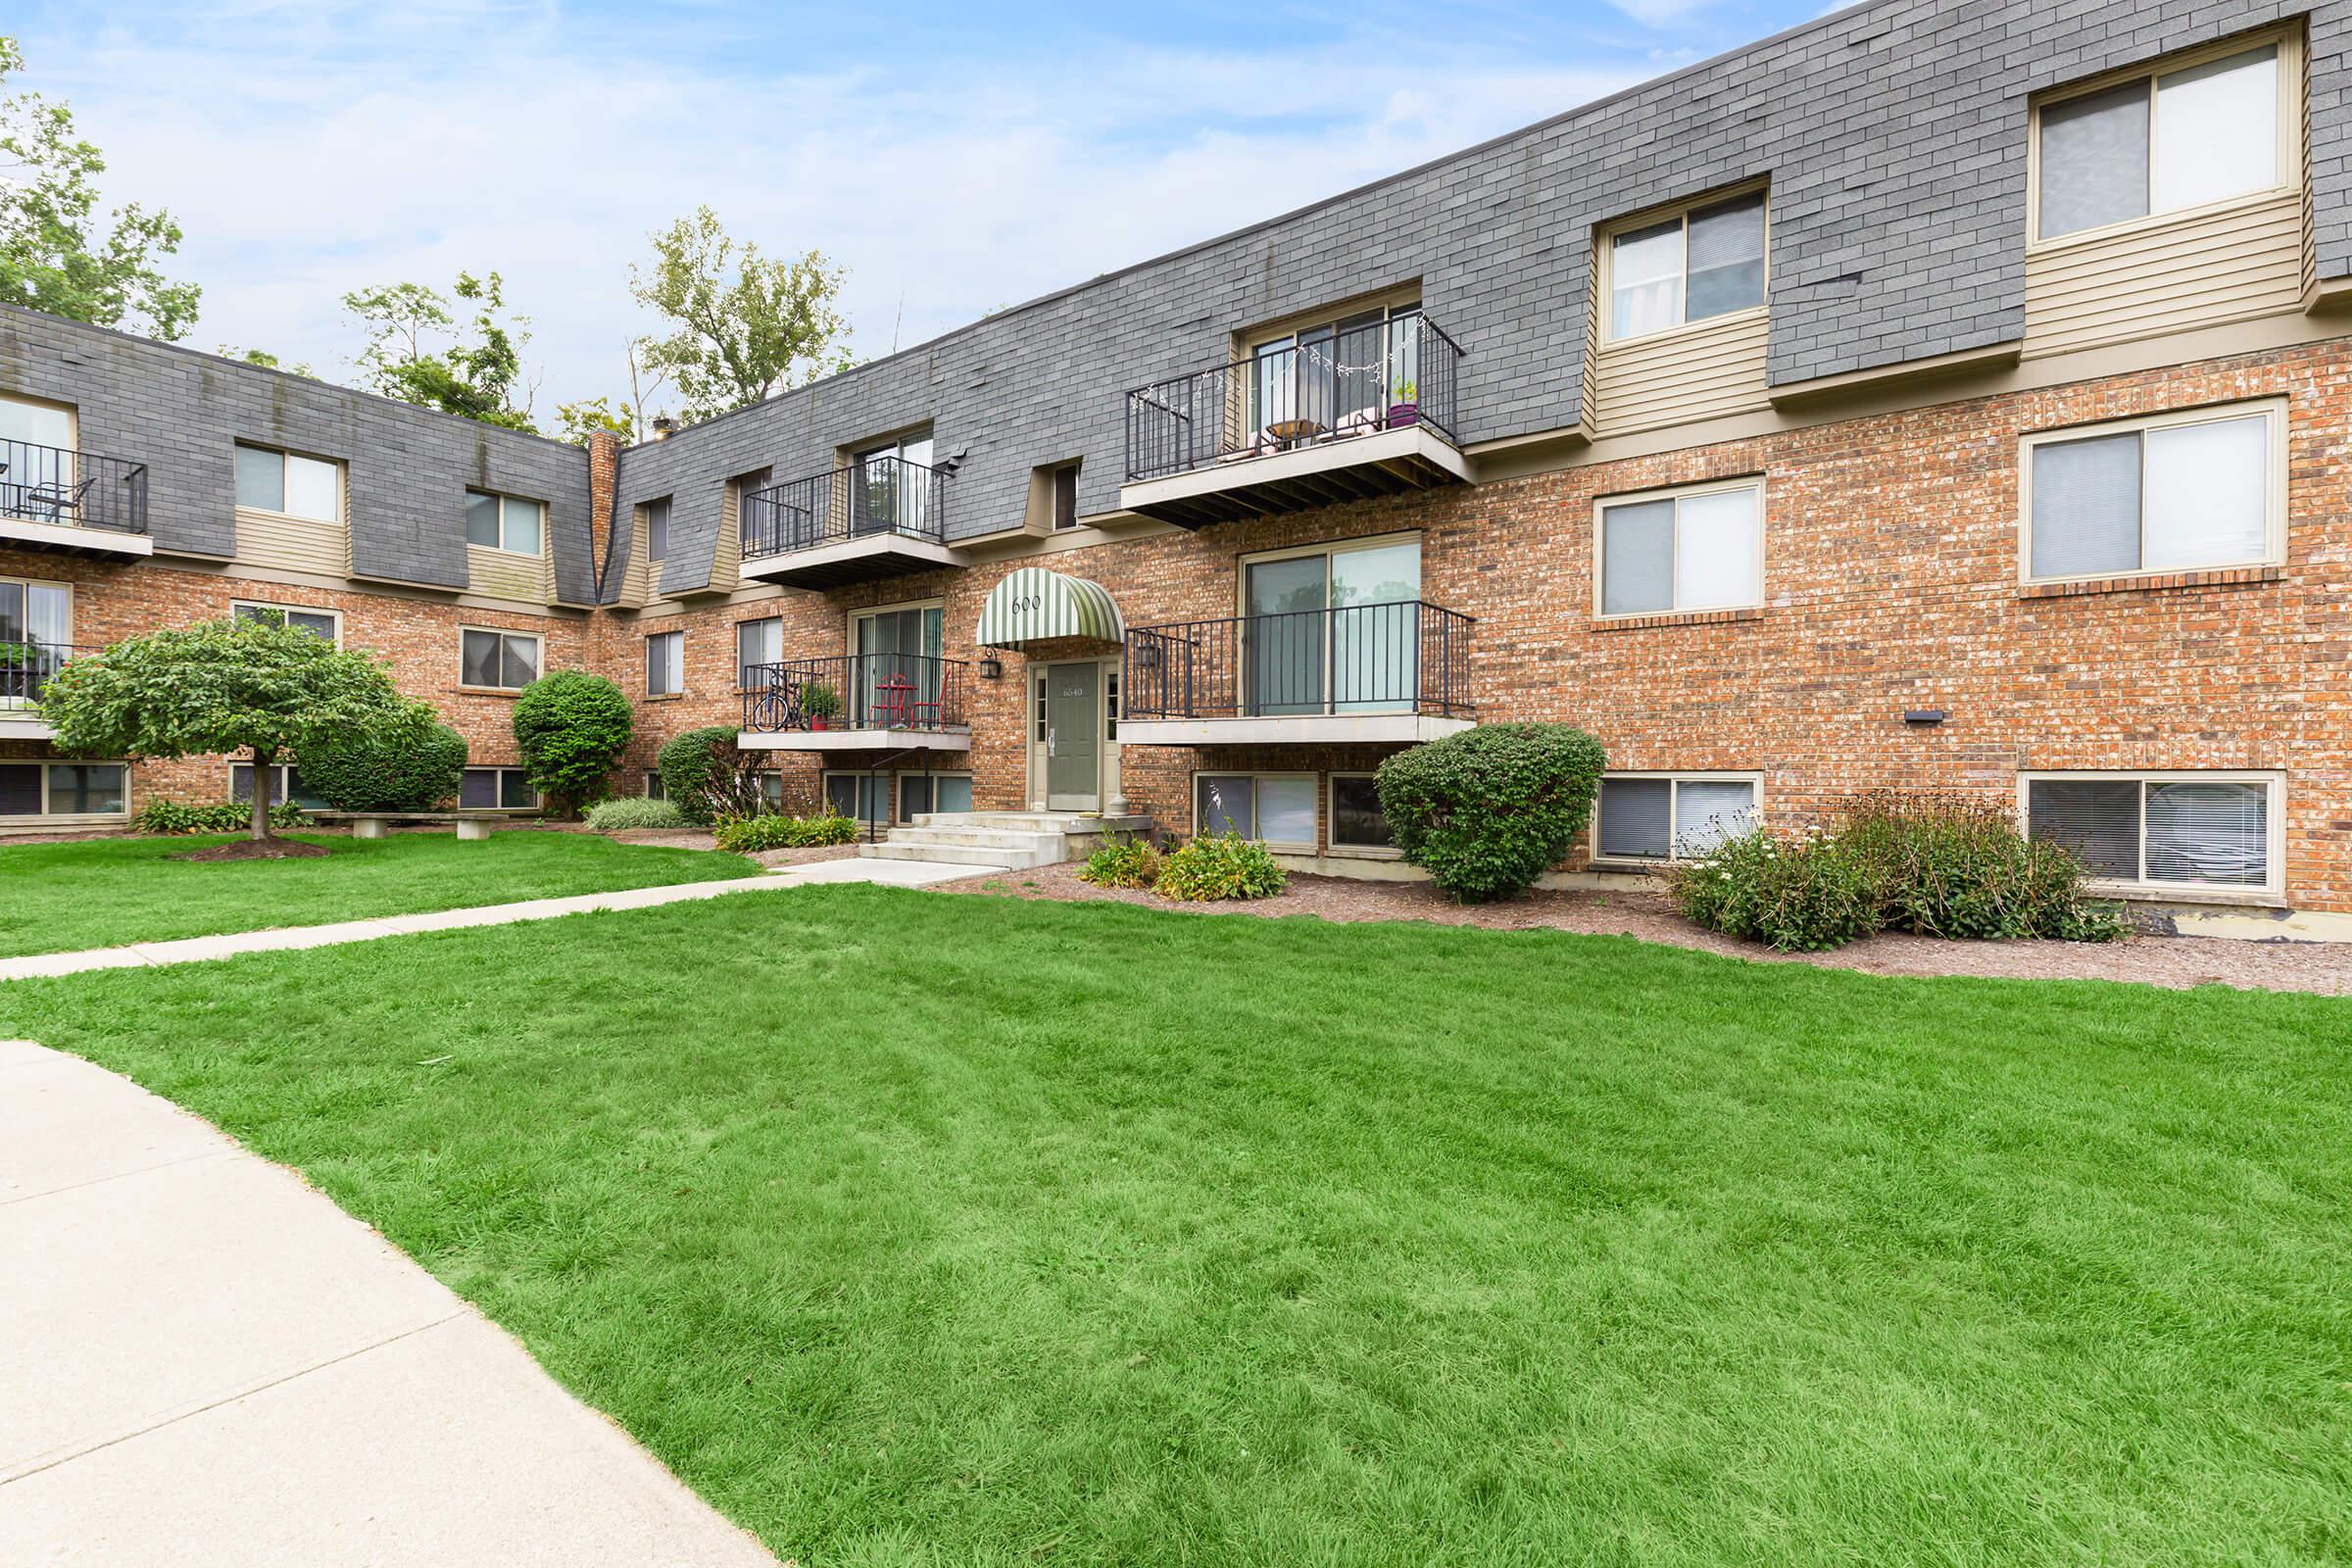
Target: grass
point(924, 1230)
point(104, 893)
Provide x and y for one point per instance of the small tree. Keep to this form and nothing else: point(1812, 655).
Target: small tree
point(406, 761)
point(478, 374)
point(691, 763)
point(1488, 810)
point(572, 727)
point(257, 686)
point(743, 323)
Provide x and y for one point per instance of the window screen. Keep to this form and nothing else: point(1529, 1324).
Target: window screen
point(1636, 818)
point(2094, 160)
point(2098, 819)
point(1707, 812)
point(1357, 819)
point(261, 478)
point(1637, 556)
point(1225, 805)
point(657, 529)
point(665, 663)
point(2087, 506)
point(1727, 258)
point(1286, 811)
point(756, 643)
point(481, 520)
point(20, 789)
point(477, 791)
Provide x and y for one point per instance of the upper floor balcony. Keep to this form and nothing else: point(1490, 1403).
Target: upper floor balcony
point(879, 516)
point(26, 667)
point(856, 701)
point(1316, 420)
point(1385, 673)
point(55, 498)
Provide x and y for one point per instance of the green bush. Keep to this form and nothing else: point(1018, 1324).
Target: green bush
point(1933, 865)
point(1122, 860)
point(691, 761)
point(748, 835)
point(633, 812)
point(409, 762)
point(173, 817)
point(1486, 812)
point(572, 727)
point(1226, 867)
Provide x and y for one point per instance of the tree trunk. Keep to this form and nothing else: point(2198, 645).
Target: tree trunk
point(263, 774)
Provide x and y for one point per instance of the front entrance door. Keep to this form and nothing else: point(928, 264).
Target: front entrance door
point(1073, 738)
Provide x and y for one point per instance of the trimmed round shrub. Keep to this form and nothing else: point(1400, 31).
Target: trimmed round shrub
point(572, 727)
point(633, 812)
point(749, 835)
point(407, 762)
point(1228, 866)
point(1486, 812)
point(690, 762)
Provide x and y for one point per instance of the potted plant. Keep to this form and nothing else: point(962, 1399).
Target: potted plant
point(1403, 410)
point(821, 701)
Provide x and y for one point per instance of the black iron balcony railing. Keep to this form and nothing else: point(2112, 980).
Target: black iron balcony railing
point(72, 489)
point(874, 497)
point(1403, 658)
point(1386, 375)
point(27, 666)
point(855, 692)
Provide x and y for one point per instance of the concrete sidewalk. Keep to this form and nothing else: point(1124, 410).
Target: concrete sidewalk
point(194, 949)
point(206, 1362)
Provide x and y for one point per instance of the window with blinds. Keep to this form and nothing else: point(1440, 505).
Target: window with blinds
point(2160, 143)
point(2178, 493)
point(1689, 550)
point(2175, 830)
point(1706, 262)
point(1666, 819)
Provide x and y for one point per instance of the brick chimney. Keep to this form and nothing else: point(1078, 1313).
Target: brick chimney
point(604, 480)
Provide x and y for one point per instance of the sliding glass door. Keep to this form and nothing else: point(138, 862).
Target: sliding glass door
point(1334, 632)
point(898, 673)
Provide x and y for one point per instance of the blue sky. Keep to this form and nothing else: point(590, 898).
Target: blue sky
point(955, 158)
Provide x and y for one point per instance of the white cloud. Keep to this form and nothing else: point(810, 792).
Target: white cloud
point(1660, 13)
point(348, 147)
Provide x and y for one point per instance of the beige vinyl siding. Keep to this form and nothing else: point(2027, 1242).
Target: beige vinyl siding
point(1702, 371)
point(274, 541)
point(727, 557)
point(638, 583)
point(502, 575)
point(2227, 263)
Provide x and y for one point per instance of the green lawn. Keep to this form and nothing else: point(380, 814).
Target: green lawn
point(913, 1228)
point(104, 893)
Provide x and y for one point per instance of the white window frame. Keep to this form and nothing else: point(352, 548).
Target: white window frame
point(756, 620)
point(1605, 251)
point(1191, 802)
point(501, 547)
point(899, 791)
point(44, 764)
point(72, 611)
point(1678, 493)
point(2290, 97)
point(335, 616)
point(71, 413)
point(540, 663)
point(867, 613)
point(2274, 820)
point(1331, 820)
point(2271, 410)
point(1674, 808)
point(342, 516)
point(661, 639)
point(280, 786)
point(538, 800)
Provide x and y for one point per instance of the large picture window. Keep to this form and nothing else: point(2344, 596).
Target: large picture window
point(1671, 816)
point(63, 790)
point(2180, 830)
point(1276, 808)
point(2175, 493)
point(1704, 261)
point(1695, 549)
point(2204, 131)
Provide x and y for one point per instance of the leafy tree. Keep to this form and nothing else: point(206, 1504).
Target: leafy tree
point(406, 761)
point(266, 360)
point(576, 422)
point(479, 374)
point(55, 255)
point(629, 420)
point(572, 727)
point(257, 686)
point(745, 324)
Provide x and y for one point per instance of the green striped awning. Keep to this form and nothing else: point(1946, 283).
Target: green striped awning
point(1034, 605)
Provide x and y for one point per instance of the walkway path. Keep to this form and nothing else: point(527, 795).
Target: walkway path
point(207, 1363)
point(191, 950)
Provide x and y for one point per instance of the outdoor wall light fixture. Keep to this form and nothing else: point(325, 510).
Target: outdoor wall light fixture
point(992, 668)
point(1924, 717)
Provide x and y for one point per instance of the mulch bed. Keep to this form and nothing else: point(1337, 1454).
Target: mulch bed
point(258, 849)
point(2174, 962)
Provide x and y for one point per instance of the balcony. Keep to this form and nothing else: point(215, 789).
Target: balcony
point(25, 669)
point(1393, 673)
point(856, 703)
point(882, 517)
point(78, 501)
point(1367, 412)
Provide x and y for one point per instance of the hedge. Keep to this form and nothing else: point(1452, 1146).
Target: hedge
point(1490, 810)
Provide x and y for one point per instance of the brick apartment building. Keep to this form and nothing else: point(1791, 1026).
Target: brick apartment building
point(1933, 396)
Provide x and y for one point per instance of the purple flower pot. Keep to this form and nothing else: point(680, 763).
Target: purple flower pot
point(1402, 415)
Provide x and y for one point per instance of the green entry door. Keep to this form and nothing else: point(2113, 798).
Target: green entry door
point(1074, 737)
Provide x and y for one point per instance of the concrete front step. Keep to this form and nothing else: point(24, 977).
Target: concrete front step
point(974, 854)
point(999, 838)
point(1007, 840)
point(1034, 821)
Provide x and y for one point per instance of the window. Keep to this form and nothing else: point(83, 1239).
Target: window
point(1357, 819)
point(64, 789)
point(39, 618)
point(860, 797)
point(899, 665)
point(1334, 631)
point(2212, 831)
point(665, 663)
point(1339, 376)
point(954, 792)
point(1274, 807)
point(655, 788)
point(657, 529)
point(2175, 493)
point(24, 422)
point(1664, 817)
point(271, 480)
point(327, 624)
point(1065, 496)
point(499, 661)
point(285, 784)
point(1700, 547)
point(494, 789)
point(1706, 262)
point(504, 522)
point(892, 492)
point(2176, 139)
point(756, 643)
